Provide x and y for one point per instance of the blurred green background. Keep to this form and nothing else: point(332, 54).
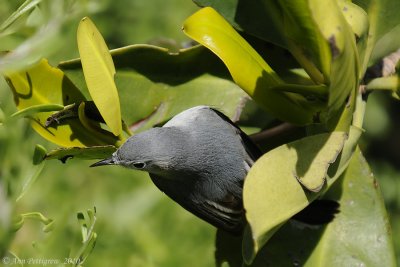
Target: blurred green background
point(136, 224)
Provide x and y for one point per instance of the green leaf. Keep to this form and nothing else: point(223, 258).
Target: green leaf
point(28, 112)
point(2, 116)
point(39, 33)
point(43, 86)
point(94, 152)
point(272, 195)
point(24, 8)
point(323, 43)
point(155, 84)
point(325, 40)
point(38, 160)
point(390, 83)
point(358, 236)
point(89, 237)
point(250, 17)
point(356, 17)
point(99, 71)
point(387, 44)
point(39, 154)
point(36, 216)
point(384, 28)
point(314, 158)
point(247, 67)
point(305, 160)
point(305, 40)
point(213, 31)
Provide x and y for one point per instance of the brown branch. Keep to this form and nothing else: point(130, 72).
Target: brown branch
point(278, 130)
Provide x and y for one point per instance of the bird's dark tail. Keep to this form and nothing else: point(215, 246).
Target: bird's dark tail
point(320, 211)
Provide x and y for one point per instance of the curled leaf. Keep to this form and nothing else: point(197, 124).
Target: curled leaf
point(247, 67)
point(272, 194)
point(42, 86)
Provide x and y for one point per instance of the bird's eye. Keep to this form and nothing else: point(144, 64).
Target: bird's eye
point(139, 165)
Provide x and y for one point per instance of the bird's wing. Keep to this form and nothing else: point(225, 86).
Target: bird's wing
point(252, 149)
point(226, 214)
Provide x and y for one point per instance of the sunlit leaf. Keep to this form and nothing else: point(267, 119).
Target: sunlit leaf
point(323, 44)
point(356, 17)
point(359, 235)
point(250, 17)
point(94, 152)
point(272, 195)
point(27, 112)
point(247, 67)
point(99, 71)
point(45, 86)
point(151, 93)
point(213, 31)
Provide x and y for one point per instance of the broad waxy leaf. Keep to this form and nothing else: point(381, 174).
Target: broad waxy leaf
point(327, 52)
point(99, 71)
point(247, 67)
point(213, 31)
point(44, 85)
point(155, 84)
point(250, 17)
point(329, 40)
point(305, 40)
point(384, 29)
point(323, 152)
point(178, 81)
point(356, 17)
point(272, 195)
point(358, 236)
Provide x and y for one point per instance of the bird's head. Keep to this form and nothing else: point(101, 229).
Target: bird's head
point(156, 151)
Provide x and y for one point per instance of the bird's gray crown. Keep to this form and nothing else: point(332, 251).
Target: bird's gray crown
point(153, 150)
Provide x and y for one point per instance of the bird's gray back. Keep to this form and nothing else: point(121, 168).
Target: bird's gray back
point(215, 164)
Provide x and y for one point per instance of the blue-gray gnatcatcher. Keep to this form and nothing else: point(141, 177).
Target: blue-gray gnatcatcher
point(199, 159)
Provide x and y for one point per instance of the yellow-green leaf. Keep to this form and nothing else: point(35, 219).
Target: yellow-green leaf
point(45, 86)
point(99, 71)
point(211, 30)
point(39, 154)
point(94, 152)
point(36, 109)
point(272, 194)
point(359, 235)
point(323, 152)
point(247, 67)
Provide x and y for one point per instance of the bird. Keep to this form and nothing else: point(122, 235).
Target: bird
point(200, 159)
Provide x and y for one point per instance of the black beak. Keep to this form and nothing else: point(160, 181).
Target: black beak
point(109, 161)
